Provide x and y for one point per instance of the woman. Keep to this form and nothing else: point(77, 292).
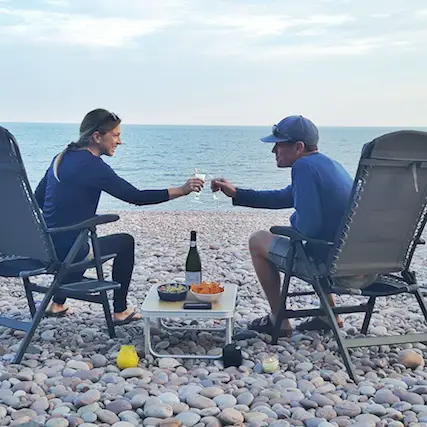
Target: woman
point(69, 193)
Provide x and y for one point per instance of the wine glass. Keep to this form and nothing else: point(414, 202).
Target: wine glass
point(205, 177)
point(201, 176)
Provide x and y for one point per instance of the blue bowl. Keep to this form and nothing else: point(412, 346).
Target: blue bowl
point(164, 295)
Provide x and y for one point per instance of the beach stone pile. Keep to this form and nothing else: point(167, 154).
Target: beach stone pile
point(69, 375)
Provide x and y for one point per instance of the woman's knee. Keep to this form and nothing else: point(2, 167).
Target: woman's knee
point(129, 239)
point(130, 242)
point(127, 243)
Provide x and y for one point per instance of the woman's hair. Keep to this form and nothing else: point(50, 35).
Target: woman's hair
point(98, 120)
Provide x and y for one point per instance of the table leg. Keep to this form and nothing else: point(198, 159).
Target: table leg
point(149, 349)
point(228, 330)
point(147, 336)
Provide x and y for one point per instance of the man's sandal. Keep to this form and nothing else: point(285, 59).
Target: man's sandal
point(317, 324)
point(264, 325)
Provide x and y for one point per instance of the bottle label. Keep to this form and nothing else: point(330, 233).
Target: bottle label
point(193, 277)
point(192, 244)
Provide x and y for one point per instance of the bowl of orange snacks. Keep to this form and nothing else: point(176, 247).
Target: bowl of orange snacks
point(207, 291)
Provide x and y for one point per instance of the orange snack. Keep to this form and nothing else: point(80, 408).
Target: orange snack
point(207, 288)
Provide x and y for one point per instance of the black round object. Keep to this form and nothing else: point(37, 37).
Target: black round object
point(172, 296)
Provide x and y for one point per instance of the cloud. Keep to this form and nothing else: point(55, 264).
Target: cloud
point(359, 31)
point(73, 29)
point(306, 50)
point(243, 28)
point(311, 32)
point(60, 3)
point(254, 25)
point(83, 29)
point(251, 25)
point(381, 15)
point(345, 48)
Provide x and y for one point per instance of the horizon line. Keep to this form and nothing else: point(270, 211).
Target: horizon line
point(216, 125)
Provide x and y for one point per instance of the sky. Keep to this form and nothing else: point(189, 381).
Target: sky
point(215, 62)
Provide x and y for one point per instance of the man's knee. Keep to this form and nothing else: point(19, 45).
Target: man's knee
point(259, 243)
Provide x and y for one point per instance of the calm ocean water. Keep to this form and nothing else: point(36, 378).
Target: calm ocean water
point(154, 157)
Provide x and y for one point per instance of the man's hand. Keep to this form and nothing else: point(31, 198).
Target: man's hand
point(221, 184)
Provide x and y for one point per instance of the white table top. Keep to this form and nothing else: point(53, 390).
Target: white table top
point(153, 307)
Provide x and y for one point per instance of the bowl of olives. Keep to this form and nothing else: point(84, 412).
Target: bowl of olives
point(172, 292)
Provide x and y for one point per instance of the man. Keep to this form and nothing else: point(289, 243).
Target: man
point(319, 193)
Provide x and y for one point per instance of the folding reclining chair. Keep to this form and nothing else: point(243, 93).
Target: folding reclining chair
point(385, 218)
point(27, 250)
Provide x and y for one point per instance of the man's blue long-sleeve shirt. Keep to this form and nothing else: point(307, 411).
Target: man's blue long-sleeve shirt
point(75, 197)
point(319, 192)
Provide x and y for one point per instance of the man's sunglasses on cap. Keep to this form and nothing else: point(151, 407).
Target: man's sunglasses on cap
point(279, 134)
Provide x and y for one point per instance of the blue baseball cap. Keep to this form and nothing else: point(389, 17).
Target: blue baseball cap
point(293, 129)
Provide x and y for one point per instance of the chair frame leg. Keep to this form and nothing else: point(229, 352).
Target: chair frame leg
point(107, 312)
point(421, 302)
point(30, 297)
point(335, 329)
point(368, 315)
point(320, 285)
point(63, 268)
point(36, 320)
point(280, 316)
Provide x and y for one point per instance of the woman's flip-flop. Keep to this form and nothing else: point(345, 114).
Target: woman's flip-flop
point(264, 325)
point(61, 313)
point(128, 319)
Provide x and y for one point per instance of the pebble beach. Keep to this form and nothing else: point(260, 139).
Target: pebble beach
point(69, 376)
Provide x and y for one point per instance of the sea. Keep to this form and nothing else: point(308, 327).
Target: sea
point(157, 157)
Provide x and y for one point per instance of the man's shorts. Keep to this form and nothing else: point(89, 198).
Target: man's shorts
point(279, 249)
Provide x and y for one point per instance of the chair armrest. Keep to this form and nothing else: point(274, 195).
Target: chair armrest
point(88, 224)
point(295, 235)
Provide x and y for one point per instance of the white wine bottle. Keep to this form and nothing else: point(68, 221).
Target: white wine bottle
point(193, 266)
